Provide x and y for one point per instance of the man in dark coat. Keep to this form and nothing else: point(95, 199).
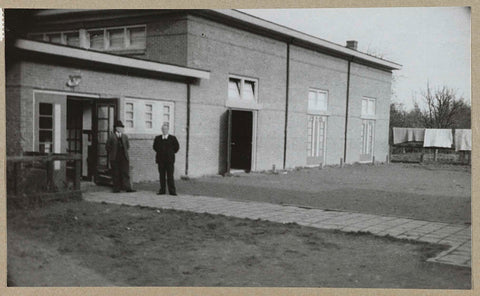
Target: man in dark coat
point(117, 147)
point(166, 146)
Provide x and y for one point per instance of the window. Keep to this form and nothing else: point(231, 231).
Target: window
point(45, 128)
point(114, 38)
point(368, 107)
point(148, 116)
point(71, 38)
point(242, 89)
point(317, 101)
point(129, 117)
point(119, 38)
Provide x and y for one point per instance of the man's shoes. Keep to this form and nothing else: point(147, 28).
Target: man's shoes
point(174, 194)
point(131, 190)
point(160, 193)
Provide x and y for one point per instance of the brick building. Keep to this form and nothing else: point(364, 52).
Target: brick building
point(239, 92)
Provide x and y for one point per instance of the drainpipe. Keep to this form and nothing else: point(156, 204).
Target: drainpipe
point(346, 112)
point(188, 128)
point(286, 105)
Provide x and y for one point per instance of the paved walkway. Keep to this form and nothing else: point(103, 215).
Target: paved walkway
point(457, 236)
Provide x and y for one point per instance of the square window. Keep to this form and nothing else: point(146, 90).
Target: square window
point(45, 109)
point(148, 108)
point(129, 107)
point(54, 38)
point(129, 123)
point(317, 100)
point(116, 38)
point(148, 124)
point(72, 39)
point(137, 37)
point(96, 39)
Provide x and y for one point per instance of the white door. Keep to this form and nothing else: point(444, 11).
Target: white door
point(367, 138)
point(316, 131)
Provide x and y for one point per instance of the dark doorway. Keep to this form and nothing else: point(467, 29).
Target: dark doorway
point(74, 132)
point(240, 139)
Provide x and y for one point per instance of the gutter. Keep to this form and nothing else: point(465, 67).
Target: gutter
point(287, 89)
point(346, 112)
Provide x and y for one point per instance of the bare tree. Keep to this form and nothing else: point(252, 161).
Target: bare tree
point(442, 108)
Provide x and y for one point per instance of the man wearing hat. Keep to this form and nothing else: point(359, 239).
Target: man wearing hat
point(117, 147)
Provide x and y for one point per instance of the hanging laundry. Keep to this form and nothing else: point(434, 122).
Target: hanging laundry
point(440, 138)
point(407, 134)
point(463, 140)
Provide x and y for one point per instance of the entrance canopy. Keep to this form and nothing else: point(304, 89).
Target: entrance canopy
point(110, 59)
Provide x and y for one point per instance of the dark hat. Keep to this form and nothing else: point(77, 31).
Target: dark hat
point(118, 123)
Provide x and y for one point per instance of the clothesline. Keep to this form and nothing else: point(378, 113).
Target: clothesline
point(438, 138)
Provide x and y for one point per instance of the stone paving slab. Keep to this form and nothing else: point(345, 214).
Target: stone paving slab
point(457, 237)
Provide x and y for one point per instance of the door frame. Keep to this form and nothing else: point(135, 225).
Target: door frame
point(373, 141)
point(253, 164)
point(324, 148)
point(95, 130)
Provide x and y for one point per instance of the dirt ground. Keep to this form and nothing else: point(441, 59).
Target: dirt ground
point(433, 192)
point(91, 244)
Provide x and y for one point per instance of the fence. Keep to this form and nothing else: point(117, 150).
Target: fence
point(43, 177)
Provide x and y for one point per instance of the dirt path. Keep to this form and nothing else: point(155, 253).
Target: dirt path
point(33, 263)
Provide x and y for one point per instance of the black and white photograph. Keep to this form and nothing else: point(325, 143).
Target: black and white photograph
point(273, 147)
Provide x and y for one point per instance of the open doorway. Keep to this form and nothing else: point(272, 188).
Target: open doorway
point(89, 123)
point(240, 138)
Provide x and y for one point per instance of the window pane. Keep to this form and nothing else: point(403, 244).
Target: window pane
point(54, 38)
point(166, 109)
point(45, 123)
point(129, 107)
point(96, 39)
point(148, 116)
point(166, 117)
point(72, 39)
point(249, 91)
point(371, 107)
point(116, 38)
point(148, 124)
point(103, 125)
point(137, 37)
point(45, 147)
point(102, 112)
point(364, 107)
point(321, 101)
point(45, 136)
point(234, 89)
point(45, 109)
point(102, 137)
point(148, 108)
point(129, 123)
point(312, 100)
point(129, 115)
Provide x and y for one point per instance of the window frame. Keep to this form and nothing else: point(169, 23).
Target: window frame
point(127, 44)
point(125, 111)
point(368, 115)
point(140, 118)
point(323, 111)
point(242, 88)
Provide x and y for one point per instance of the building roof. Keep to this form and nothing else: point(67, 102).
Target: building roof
point(234, 17)
point(110, 59)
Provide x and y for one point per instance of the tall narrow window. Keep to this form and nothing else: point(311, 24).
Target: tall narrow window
point(116, 38)
point(129, 115)
point(148, 116)
point(45, 128)
point(166, 114)
point(234, 88)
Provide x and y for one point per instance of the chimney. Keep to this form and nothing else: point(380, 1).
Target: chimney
point(352, 44)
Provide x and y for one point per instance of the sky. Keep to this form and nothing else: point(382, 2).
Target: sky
point(431, 43)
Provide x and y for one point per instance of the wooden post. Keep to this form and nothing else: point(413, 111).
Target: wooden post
point(50, 182)
point(78, 172)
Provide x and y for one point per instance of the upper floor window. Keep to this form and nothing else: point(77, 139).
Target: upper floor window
point(242, 89)
point(118, 38)
point(368, 107)
point(104, 39)
point(71, 38)
point(317, 101)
